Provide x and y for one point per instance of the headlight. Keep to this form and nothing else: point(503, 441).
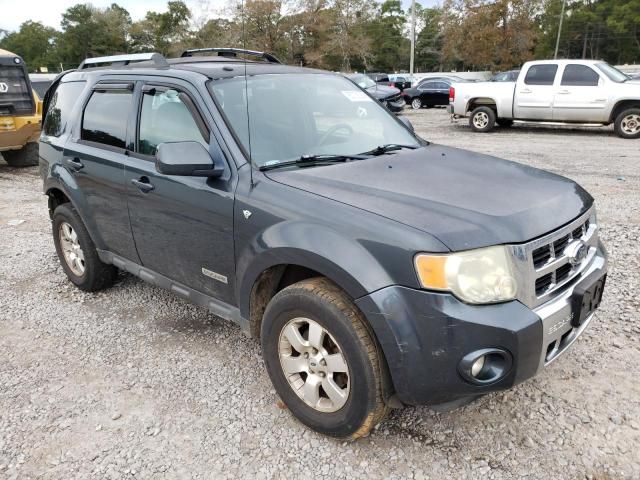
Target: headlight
point(484, 275)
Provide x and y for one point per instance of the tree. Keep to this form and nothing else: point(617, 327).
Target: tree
point(34, 42)
point(386, 29)
point(430, 40)
point(165, 32)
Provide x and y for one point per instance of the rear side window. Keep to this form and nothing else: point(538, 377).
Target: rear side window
point(105, 117)
point(579, 76)
point(166, 118)
point(60, 106)
point(541, 75)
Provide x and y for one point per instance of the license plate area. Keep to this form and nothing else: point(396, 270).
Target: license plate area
point(587, 297)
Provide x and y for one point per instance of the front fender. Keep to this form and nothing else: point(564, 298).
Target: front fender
point(346, 262)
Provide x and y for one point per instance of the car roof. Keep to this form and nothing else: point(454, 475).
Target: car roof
point(213, 67)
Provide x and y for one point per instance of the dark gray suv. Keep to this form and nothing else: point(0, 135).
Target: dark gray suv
point(376, 269)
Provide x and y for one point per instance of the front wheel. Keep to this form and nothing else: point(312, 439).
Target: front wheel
point(627, 123)
point(322, 360)
point(416, 104)
point(482, 119)
point(27, 156)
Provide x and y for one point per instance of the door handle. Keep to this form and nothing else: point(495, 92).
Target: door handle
point(143, 184)
point(73, 163)
point(526, 90)
point(564, 92)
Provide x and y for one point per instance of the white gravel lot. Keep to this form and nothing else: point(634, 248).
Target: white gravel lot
point(134, 383)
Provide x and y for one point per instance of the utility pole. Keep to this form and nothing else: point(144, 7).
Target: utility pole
point(555, 55)
point(413, 39)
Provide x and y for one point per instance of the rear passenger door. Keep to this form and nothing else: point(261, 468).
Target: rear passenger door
point(535, 92)
point(579, 97)
point(183, 226)
point(95, 158)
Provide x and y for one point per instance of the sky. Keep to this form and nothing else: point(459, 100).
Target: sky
point(49, 12)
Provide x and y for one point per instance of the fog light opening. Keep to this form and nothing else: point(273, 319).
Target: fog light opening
point(485, 366)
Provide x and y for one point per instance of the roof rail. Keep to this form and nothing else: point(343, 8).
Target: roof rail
point(123, 60)
point(232, 52)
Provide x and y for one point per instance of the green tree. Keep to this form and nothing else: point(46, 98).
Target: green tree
point(166, 32)
point(391, 47)
point(34, 42)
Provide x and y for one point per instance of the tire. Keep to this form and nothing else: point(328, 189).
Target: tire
point(482, 119)
point(27, 156)
point(88, 273)
point(627, 123)
point(504, 122)
point(319, 305)
point(416, 103)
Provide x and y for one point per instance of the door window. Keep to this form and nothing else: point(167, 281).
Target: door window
point(541, 75)
point(165, 117)
point(428, 86)
point(579, 76)
point(105, 117)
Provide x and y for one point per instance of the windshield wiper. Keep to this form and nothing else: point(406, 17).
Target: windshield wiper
point(310, 160)
point(389, 147)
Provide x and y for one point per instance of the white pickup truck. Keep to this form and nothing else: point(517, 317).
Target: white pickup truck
point(553, 92)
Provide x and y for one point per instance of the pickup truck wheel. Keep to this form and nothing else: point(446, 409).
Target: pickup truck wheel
point(77, 253)
point(322, 360)
point(27, 156)
point(416, 104)
point(482, 119)
point(627, 124)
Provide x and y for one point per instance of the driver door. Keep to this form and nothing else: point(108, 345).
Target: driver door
point(182, 225)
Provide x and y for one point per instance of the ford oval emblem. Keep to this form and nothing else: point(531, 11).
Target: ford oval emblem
point(576, 251)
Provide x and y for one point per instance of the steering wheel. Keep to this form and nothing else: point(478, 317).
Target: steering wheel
point(329, 133)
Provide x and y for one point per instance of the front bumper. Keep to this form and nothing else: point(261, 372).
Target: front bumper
point(424, 335)
point(395, 105)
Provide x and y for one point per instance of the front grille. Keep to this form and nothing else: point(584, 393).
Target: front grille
point(543, 267)
point(15, 96)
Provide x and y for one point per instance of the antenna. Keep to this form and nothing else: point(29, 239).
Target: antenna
point(246, 94)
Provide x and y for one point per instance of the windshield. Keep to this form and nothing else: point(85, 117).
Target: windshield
point(363, 81)
point(613, 73)
point(296, 115)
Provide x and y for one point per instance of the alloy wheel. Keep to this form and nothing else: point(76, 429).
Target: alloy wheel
point(480, 120)
point(314, 365)
point(71, 250)
point(416, 103)
point(631, 124)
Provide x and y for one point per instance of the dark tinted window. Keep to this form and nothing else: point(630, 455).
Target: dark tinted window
point(579, 76)
point(429, 86)
point(442, 86)
point(105, 117)
point(166, 118)
point(60, 106)
point(541, 75)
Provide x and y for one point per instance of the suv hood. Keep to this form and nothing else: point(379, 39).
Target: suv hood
point(465, 199)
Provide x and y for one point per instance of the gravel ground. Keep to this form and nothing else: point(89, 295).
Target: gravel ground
point(133, 382)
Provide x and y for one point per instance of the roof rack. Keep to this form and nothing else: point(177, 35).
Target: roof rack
point(124, 60)
point(232, 52)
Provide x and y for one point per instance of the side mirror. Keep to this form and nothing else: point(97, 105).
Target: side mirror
point(406, 122)
point(187, 159)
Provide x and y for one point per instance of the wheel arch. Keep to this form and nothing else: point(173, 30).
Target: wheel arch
point(622, 105)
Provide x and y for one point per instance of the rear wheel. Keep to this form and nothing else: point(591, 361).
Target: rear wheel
point(416, 104)
point(27, 156)
point(322, 360)
point(482, 119)
point(627, 124)
point(77, 253)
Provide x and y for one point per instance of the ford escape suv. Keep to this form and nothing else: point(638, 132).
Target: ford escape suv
point(377, 269)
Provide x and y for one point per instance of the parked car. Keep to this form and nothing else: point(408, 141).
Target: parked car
point(559, 91)
point(20, 115)
point(428, 94)
point(377, 269)
point(388, 96)
point(448, 78)
point(510, 76)
point(400, 81)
